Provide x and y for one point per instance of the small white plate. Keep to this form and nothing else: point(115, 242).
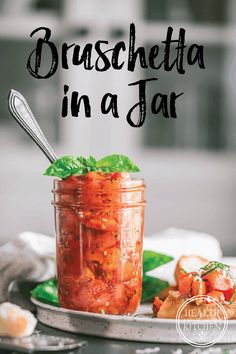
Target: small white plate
point(140, 327)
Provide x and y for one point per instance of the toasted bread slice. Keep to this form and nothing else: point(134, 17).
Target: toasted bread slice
point(164, 293)
point(204, 311)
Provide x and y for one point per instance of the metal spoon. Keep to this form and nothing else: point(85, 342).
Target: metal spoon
point(22, 113)
point(38, 342)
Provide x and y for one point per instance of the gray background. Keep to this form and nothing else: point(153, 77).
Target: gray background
point(188, 163)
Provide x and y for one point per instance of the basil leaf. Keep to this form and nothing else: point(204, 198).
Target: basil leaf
point(92, 162)
point(152, 260)
point(116, 163)
point(47, 292)
point(88, 164)
point(70, 165)
point(216, 265)
point(183, 270)
point(65, 166)
point(151, 287)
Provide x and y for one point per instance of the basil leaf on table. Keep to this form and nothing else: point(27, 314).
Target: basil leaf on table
point(47, 292)
point(153, 286)
point(152, 260)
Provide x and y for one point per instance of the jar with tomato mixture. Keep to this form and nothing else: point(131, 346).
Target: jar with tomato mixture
point(99, 229)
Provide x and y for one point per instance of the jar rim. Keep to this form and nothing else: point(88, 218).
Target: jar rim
point(128, 192)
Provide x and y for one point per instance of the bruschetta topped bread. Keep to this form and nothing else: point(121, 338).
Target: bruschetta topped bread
point(214, 280)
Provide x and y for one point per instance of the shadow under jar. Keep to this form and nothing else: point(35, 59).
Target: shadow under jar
point(99, 229)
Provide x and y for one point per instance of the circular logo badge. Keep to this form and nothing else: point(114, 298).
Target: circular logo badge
point(201, 321)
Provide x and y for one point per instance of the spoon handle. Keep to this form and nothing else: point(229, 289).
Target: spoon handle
point(22, 113)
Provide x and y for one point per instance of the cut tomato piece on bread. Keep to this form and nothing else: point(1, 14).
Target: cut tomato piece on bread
point(199, 287)
point(185, 283)
point(229, 293)
point(218, 280)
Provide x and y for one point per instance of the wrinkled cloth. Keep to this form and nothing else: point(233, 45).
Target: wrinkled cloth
point(29, 256)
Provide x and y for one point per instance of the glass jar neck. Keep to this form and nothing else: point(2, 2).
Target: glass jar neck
point(100, 191)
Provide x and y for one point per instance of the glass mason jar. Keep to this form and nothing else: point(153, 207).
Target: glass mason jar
point(99, 229)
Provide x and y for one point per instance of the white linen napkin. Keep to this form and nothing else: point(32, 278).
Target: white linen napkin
point(29, 256)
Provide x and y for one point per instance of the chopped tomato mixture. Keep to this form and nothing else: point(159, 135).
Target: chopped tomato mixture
point(99, 227)
point(185, 283)
point(217, 279)
point(198, 287)
point(214, 280)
